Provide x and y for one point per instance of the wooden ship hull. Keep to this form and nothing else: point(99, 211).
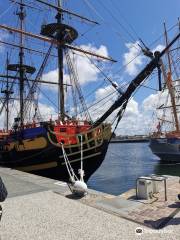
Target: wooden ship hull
point(43, 154)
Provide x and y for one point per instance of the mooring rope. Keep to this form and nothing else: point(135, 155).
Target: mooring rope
point(70, 170)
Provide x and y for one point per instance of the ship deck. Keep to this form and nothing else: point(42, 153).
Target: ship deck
point(42, 208)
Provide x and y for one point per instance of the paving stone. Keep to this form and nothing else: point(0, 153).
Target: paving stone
point(35, 212)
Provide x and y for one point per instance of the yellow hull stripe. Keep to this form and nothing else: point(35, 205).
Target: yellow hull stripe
point(51, 164)
point(35, 144)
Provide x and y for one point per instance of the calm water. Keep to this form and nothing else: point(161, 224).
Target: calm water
point(124, 163)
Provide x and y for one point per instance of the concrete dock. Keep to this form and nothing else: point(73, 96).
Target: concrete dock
point(42, 208)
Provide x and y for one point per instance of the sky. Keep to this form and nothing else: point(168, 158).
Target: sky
point(121, 24)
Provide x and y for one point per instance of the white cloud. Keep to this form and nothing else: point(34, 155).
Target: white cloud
point(134, 125)
point(108, 95)
point(135, 120)
point(159, 47)
point(51, 76)
point(132, 109)
point(103, 92)
point(155, 100)
point(102, 50)
point(151, 102)
point(87, 72)
point(144, 118)
point(46, 111)
point(131, 58)
point(139, 118)
point(129, 124)
point(2, 120)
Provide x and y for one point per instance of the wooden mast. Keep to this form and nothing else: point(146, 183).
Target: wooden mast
point(170, 84)
point(7, 93)
point(61, 107)
point(7, 96)
point(21, 15)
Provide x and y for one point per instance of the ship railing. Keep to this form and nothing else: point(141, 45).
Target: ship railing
point(72, 123)
point(91, 138)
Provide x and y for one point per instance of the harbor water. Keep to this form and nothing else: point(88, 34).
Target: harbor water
point(124, 163)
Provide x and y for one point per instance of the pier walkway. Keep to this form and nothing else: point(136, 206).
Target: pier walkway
point(41, 208)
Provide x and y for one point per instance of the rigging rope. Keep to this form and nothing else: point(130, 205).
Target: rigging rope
point(35, 83)
point(118, 10)
point(4, 102)
point(151, 44)
point(77, 85)
point(104, 21)
point(117, 20)
point(114, 85)
point(119, 117)
point(3, 13)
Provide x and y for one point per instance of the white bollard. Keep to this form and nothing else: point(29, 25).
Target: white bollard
point(79, 188)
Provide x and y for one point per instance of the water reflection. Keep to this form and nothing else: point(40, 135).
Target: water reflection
point(124, 163)
point(168, 169)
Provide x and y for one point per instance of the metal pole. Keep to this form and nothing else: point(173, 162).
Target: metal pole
point(165, 190)
point(136, 187)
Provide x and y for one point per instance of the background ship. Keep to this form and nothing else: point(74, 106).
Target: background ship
point(165, 142)
point(32, 142)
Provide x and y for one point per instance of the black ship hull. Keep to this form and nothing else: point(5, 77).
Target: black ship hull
point(168, 150)
point(49, 161)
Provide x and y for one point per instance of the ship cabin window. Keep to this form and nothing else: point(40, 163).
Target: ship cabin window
point(62, 129)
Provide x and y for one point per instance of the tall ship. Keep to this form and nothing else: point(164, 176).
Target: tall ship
point(41, 144)
point(165, 141)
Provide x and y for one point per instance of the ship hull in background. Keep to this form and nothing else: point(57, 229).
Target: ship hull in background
point(167, 149)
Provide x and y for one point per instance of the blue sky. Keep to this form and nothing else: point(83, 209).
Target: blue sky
point(121, 23)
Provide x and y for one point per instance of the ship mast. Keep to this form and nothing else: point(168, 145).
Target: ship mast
point(7, 93)
point(21, 15)
point(170, 84)
point(20, 68)
point(7, 96)
point(59, 34)
point(61, 109)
